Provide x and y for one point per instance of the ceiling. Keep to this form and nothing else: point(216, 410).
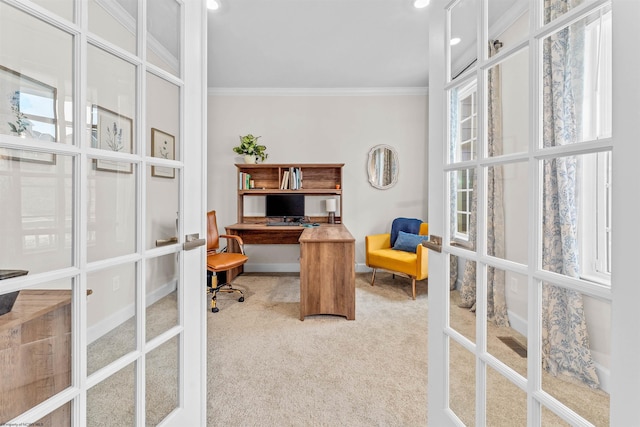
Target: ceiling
point(320, 44)
point(317, 44)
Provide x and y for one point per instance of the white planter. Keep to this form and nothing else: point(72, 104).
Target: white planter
point(249, 159)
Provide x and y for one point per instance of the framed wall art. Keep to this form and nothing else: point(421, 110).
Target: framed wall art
point(163, 145)
point(112, 132)
point(27, 110)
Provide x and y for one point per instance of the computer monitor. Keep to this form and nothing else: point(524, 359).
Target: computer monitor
point(285, 206)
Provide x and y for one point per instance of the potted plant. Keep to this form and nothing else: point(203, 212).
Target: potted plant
point(19, 127)
point(250, 149)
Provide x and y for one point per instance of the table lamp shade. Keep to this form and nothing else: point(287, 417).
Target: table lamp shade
point(331, 205)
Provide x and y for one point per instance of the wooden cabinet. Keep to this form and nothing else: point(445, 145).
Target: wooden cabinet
point(35, 352)
point(318, 179)
point(327, 271)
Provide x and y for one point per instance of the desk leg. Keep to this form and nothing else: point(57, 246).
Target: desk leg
point(231, 274)
point(233, 247)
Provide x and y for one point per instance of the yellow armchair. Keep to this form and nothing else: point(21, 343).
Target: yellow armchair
point(380, 255)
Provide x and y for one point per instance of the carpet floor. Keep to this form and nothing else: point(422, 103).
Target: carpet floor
point(268, 368)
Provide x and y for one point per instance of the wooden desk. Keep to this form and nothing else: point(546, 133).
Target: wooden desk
point(260, 234)
point(327, 271)
point(35, 352)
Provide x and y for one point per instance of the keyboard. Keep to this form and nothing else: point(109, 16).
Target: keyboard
point(280, 224)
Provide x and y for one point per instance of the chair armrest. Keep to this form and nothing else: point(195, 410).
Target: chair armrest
point(423, 262)
point(237, 239)
point(377, 241)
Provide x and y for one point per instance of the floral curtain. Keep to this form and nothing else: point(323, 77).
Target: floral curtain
point(496, 301)
point(565, 342)
point(453, 138)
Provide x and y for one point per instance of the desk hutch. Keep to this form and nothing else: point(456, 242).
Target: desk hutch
point(318, 179)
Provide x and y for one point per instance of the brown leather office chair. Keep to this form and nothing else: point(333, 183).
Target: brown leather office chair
point(221, 260)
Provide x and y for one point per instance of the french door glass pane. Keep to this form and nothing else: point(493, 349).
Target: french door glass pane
point(506, 402)
point(163, 34)
point(111, 210)
point(115, 21)
point(162, 381)
point(576, 191)
point(551, 419)
point(508, 211)
point(60, 417)
point(462, 383)
point(163, 187)
point(162, 294)
point(463, 122)
point(507, 318)
point(35, 347)
point(463, 208)
point(112, 401)
point(508, 106)
point(501, 11)
point(111, 98)
point(111, 315)
point(576, 351)
point(163, 118)
point(463, 36)
point(577, 82)
point(36, 221)
point(559, 8)
point(36, 101)
point(462, 299)
point(62, 8)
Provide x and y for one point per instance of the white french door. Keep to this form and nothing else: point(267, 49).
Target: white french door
point(102, 175)
point(531, 145)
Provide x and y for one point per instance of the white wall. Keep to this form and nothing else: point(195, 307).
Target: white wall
point(322, 129)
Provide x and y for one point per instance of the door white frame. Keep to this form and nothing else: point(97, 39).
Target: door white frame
point(625, 293)
point(191, 169)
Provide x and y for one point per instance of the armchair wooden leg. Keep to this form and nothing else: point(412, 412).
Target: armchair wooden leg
point(373, 277)
point(413, 286)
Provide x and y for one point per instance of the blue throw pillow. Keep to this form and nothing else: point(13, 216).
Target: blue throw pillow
point(408, 225)
point(407, 242)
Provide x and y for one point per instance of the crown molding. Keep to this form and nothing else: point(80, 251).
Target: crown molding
point(372, 91)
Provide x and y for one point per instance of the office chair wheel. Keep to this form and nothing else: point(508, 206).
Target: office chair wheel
point(241, 299)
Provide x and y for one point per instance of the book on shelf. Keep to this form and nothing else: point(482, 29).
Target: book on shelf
point(285, 180)
point(244, 180)
point(295, 178)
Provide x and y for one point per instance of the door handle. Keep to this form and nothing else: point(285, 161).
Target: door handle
point(193, 241)
point(434, 243)
point(165, 242)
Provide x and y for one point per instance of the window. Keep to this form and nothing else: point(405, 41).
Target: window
point(595, 183)
point(467, 123)
point(464, 194)
point(465, 149)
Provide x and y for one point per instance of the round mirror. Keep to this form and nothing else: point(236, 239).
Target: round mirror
point(383, 166)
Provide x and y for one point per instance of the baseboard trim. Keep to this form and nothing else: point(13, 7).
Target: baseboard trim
point(517, 322)
point(289, 268)
point(119, 317)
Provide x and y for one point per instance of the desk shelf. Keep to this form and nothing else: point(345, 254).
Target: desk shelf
point(318, 179)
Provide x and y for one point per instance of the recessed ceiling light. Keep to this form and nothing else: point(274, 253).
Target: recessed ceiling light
point(213, 5)
point(419, 4)
point(454, 41)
